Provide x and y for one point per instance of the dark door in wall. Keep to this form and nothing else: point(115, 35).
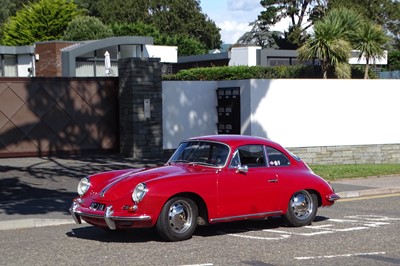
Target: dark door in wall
point(48, 116)
point(228, 110)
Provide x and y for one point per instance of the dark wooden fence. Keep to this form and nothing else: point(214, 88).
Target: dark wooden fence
point(48, 116)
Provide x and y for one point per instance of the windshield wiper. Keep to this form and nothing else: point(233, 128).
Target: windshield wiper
point(202, 163)
point(180, 161)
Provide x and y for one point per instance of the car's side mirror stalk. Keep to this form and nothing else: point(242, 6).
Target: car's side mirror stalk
point(242, 169)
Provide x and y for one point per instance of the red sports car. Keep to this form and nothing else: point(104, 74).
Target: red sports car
point(208, 179)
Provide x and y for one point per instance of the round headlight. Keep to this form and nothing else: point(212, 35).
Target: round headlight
point(139, 192)
point(83, 186)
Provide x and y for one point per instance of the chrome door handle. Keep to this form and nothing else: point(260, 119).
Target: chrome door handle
point(273, 181)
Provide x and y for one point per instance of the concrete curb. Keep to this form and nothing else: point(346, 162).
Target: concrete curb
point(33, 223)
point(368, 192)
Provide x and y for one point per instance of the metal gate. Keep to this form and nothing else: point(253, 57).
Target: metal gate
point(48, 116)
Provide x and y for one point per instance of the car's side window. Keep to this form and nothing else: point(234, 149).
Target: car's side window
point(250, 155)
point(276, 158)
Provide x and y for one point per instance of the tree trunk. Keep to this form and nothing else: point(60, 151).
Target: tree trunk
point(366, 76)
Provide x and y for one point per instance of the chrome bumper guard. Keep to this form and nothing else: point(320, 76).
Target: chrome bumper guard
point(108, 216)
point(332, 197)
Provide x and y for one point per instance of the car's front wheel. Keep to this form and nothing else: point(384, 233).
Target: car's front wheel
point(302, 208)
point(178, 219)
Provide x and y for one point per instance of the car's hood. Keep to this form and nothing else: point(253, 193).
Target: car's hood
point(123, 184)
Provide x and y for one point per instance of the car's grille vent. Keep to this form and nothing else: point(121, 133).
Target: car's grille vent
point(97, 206)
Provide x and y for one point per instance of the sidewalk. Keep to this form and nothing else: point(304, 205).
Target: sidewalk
point(369, 186)
point(38, 191)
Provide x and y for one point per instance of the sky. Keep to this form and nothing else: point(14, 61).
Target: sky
point(233, 16)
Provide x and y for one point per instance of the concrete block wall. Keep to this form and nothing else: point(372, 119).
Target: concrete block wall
point(141, 136)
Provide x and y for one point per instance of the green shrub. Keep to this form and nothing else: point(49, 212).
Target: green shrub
point(256, 72)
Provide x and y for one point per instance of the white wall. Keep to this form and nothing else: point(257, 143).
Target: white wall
point(24, 62)
point(303, 113)
point(244, 56)
point(189, 110)
point(168, 54)
point(295, 113)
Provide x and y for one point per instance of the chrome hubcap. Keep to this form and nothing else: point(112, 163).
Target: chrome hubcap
point(180, 217)
point(302, 206)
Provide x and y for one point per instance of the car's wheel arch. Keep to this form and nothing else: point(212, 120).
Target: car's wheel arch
point(315, 192)
point(199, 201)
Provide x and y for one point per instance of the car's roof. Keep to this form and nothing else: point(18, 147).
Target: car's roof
point(237, 140)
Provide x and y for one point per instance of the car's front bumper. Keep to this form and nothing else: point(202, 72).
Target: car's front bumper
point(107, 218)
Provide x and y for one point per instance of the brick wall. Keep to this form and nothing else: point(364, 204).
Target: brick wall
point(49, 63)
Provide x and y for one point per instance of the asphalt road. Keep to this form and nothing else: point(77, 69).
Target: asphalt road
point(35, 194)
point(358, 231)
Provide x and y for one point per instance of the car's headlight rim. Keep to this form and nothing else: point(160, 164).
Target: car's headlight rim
point(139, 192)
point(83, 186)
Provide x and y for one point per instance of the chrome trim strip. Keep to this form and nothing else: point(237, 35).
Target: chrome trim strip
point(247, 216)
point(333, 197)
point(115, 218)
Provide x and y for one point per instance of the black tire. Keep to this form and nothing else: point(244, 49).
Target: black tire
point(302, 209)
point(178, 219)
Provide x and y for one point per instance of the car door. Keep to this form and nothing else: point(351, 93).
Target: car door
point(248, 186)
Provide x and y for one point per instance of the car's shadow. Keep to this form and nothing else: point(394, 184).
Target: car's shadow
point(149, 234)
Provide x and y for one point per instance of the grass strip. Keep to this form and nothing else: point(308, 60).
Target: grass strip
point(344, 171)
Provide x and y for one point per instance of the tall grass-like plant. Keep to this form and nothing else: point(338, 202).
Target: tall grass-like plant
point(369, 39)
point(330, 42)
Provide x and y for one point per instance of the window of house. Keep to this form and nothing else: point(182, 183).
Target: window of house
point(10, 66)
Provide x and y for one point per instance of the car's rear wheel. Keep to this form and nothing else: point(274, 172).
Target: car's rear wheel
point(178, 219)
point(302, 208)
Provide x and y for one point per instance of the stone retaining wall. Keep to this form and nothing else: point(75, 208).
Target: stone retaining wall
point(358, 154)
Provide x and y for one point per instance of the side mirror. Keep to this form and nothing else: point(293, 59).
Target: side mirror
point(242, 169)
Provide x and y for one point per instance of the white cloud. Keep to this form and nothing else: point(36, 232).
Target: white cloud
point(243, 5)
point(231, 31)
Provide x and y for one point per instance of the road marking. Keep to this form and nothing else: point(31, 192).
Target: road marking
point(260, 237)
point(297, 233)
point(203, 264)
point(340, 256)
point(347, 224)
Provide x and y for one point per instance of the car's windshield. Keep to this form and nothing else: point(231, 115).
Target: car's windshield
point(201, 152)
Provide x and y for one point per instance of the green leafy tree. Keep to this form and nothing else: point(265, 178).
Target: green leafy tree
point(135, 29)
point(86, 28)
point(121, 11)
point(9, 8)
point(259, 36)
point(330, 42)
point(297, 11)
point(393, 61)
point(186, 44)
point(171, 17)
point(184, 17)
point(369, 39)
point(44, 20)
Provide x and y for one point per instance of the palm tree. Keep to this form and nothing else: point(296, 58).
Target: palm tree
point(369, 39)
point(329, 45)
